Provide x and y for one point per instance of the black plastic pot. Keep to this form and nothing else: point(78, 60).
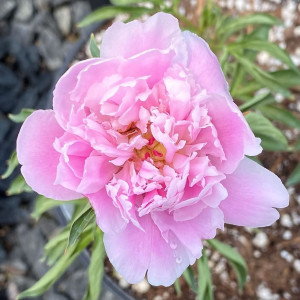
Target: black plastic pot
point(62, 213)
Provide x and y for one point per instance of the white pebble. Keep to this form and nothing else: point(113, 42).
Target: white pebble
point(263, 58)
point(243, 240)
point(224, 276)
point(260, 240)
point(220, 267)
point(240, 5)
point(266, 6)
point(230, 4)
point(297, 51)
point(286, 256)
point(296, 265)
point(181, 10)
point(279, 98)
point(297, 31)
point(211, 264)
point(287, 235)
point(286, 221)
point(287, 295)
point(295, 216)
point(264, 293)
point(141, 287)
point(257, 254)
point(295, 59)
point(123, 283)
point(215, 257)
point(291, 189)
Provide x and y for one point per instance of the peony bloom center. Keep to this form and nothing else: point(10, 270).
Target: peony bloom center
point(153, 150)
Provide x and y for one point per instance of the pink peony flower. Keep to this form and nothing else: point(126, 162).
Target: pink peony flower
point(150, 135)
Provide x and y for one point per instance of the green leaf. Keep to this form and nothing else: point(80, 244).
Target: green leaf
point(95, 51)
point(51, 255)
point(21, 116)
point(261, 76)
point(79, 225)
point(281, 115)
point(296, 147)
point(130, 2)
point(57, 270)
point(56, 247)
point(189, 277)
point(271, 48)
point(61, 238)
point(235, 24)
point(257, 100)
point(237, 79)
point(259, 33)
point(43, 204)
point(255, 158)
point(247, 90)
point(18, 186)
point(204, 279)
point(288, 78)
point(96, 267)
point(108, 12)
point(177, 288)
point(234, 258)
point(294, 178)
point(272, 138)
point(11, 165)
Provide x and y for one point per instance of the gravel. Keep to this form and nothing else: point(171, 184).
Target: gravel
point(260, 240)
point(63, 19)
point(141, 287)
point(7, 7)
point(286, 221)
point(296, 265)
point(24, 11)
point(264, 293)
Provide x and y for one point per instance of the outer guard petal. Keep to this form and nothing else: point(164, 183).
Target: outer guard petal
point(37, 156)
point(253, 194)
point(135, 37)
point(203, 63)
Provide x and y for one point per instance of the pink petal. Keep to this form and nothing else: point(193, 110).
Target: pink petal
point(166, 263)
point(253, 194)
point(38, 157)
point(205, 66)
point(184, 244)
point(230, 129)
point(126, 40)
point(130, 250)
point(179, 92)
point(97, 172)
point(62, 104)
point(65, 175)
point(108, 216)
point(133, 251)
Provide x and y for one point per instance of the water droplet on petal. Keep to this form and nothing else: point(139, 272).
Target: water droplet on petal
point(173, 245)
point(179, 259)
